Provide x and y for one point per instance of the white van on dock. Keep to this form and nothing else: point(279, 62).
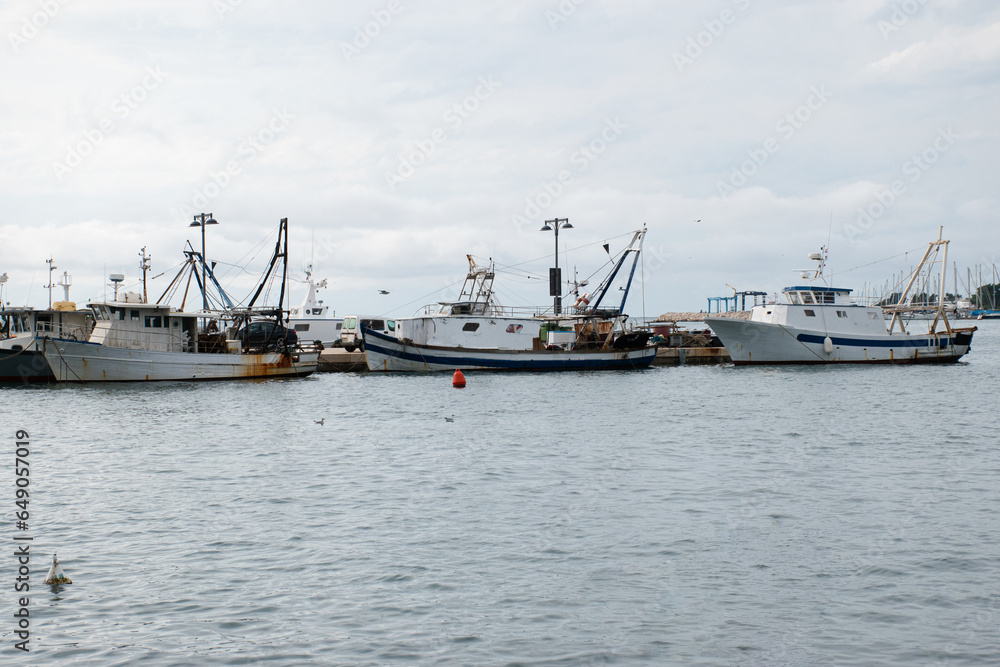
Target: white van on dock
point(350, 332)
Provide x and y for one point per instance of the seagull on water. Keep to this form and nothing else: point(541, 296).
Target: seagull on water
point(320, 421)
point(450, 419)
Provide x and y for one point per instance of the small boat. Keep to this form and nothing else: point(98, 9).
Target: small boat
point(137, 341)
point(822, 325)
point(21, 333)
point(475, 333)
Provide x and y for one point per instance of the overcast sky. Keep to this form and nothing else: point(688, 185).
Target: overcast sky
point(397, 136)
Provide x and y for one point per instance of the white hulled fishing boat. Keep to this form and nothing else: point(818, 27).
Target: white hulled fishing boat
point(476, 333)
point(819, 324)
point(137, 341)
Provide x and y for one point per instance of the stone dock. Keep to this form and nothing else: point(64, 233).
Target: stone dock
point(700, 317)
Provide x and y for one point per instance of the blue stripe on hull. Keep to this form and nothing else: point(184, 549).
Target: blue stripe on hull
point(601, 360)
point(896, 341)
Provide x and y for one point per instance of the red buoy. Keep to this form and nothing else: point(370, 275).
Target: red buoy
point(458, 380)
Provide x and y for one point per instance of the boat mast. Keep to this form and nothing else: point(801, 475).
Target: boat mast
point(144, 265)
point(52, 267)
point(940, 310)
point(902, 297)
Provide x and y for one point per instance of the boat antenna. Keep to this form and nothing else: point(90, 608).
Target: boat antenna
point(144, 266)
point(52, 267)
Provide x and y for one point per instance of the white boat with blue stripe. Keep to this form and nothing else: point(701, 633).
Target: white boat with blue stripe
point(822, 325)
point(386, 353)
point(476, 333)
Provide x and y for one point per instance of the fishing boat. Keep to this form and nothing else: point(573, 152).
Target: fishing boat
point(21, 333)
point(312, 320)
point(820, 324)
point(476, 333)
point(137, 341)
point(23, 329)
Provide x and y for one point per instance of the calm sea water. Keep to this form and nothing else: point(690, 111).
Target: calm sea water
point(676, 516)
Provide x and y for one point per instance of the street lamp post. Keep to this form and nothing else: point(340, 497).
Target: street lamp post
point(200, 221)
point(555, 279)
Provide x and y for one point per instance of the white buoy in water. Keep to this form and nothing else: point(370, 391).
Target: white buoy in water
point(56, 574)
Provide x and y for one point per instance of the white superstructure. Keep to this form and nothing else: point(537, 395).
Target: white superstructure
point(312, 320)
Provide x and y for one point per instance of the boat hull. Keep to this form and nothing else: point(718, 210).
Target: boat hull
point(73, 361)
point(385, 353)
point(752, 343)
point(24, 367)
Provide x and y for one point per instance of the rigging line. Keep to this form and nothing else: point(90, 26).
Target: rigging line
point(426, 296)
point(586, 245)
point(878, 261)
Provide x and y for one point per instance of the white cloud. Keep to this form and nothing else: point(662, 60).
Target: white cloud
point(955, 48)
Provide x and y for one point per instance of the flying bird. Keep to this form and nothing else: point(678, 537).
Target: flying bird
point(698, 220)
point(382, 291)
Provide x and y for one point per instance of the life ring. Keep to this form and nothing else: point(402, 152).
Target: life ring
point(582, 300)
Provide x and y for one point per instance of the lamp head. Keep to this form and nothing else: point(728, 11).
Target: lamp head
point(566, 225)
point(545, 228)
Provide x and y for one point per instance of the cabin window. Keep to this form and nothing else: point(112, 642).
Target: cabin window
point(391, 325)
point(841, 313)
point(317, 311)
point(133, 315)
point(807, 297)
point(470, 326)
point(794, 298)
point(302, 327)
point(378, 325)
point(810, 313)
point(340, 325)
point(828, 297)
point(154, 321)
